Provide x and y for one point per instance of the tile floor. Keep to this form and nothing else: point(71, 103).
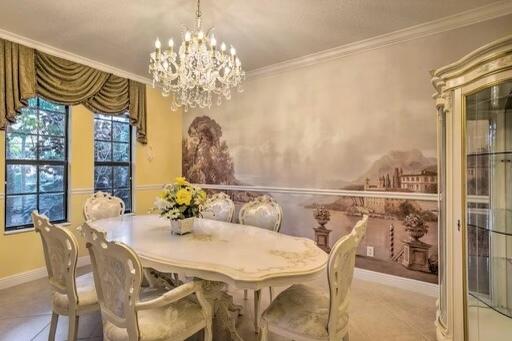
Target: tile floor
point(377, 312)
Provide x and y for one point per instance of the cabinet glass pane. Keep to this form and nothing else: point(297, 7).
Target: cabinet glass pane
point(442, 218)
point(489, 208)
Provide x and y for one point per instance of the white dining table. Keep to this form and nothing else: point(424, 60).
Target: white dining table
point(220, 253)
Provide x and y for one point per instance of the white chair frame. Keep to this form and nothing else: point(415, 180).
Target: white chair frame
point(218, 199)
point(124, 314)
point(244, 215)
point(340, 271)
point(61, 255)
point(114, 204)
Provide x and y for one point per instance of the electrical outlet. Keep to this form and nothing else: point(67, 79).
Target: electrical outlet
point(369, 251)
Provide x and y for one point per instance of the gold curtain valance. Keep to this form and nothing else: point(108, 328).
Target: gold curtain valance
point(25, 72)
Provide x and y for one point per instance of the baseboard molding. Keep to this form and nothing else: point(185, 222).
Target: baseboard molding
point(413, 285)
point(32, 275)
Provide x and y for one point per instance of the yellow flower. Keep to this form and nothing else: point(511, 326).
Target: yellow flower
point(202, 196)
point(180, 180)
point(183, 197)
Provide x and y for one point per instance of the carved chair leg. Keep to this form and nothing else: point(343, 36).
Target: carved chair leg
point(207, 333)
point(53, 327)
point(263, 332)
point(73, 328)
point(245, 294)
point(257, 299)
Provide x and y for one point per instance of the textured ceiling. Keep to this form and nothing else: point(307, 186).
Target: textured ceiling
point(121, 33)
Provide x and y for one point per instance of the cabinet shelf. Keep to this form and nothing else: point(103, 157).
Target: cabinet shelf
point(498, 265)
point(485, 153)
point(487, 302)
point(495, 220)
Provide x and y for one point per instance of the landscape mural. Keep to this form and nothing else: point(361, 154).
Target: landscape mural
point(402, 232)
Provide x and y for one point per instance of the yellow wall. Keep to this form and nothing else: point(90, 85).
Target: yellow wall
point(156, 163)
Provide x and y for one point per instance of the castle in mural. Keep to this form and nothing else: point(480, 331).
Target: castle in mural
point(399, 230)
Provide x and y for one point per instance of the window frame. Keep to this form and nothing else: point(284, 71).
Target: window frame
point(112, 164)
point(38, 163)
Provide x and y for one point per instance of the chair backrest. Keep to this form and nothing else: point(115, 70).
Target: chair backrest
point(103, 205)
point(360, 228)
point(117, 276)
point(340, 271)
point(61, 254)
point(262, 212)
point(219, 207)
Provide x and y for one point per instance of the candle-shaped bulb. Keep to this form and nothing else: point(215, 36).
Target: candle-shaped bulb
point(158, 44)
point(232, 50)
point(223, 46)
point(238, 62)
point(188, 36)
point(171, 43)
point(213, 41)
point(200, 35)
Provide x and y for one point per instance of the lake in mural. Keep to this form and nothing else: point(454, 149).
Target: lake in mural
point(402, 233)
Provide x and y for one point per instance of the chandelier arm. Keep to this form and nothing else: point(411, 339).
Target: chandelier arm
point(197, 71)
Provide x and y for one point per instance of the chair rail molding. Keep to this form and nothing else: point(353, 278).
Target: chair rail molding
point(325, 192)
point(149, 187)
point(459, 20)
point(82, 191)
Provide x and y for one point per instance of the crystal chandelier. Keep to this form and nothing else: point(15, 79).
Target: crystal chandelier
point(199, 71)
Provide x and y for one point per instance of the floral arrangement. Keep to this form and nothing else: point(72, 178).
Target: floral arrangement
point(415, 226)
point(180, 200)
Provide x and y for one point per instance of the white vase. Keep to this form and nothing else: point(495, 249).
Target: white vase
point(182, 226)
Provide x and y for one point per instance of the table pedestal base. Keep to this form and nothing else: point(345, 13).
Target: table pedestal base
point(225, 311)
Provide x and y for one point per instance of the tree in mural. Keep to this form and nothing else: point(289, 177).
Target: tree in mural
point(206, 158)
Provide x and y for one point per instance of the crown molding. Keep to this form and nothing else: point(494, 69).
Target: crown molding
point(462, 19)
point(466, 18)
point(71, 56)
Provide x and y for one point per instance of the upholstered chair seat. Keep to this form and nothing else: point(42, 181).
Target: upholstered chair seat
point(304, 312)
point(72, 295)
point(219, 207)
point(87, 299)
point(130, 313)
point(167, 323)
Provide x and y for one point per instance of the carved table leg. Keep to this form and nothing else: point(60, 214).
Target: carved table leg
point(225, 312)
point(257, 300)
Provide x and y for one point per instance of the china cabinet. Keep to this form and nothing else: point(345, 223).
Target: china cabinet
point(474, 102)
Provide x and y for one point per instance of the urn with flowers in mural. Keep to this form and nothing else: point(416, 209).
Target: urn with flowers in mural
point(415, 256)
point(180, 203)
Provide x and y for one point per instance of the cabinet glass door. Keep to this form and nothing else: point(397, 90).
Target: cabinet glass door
point(443, 295)
point(489, 212)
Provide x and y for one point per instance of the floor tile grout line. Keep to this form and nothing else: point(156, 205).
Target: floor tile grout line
point(40, 331)
point(23, 316)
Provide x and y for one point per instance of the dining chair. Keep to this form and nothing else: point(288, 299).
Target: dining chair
point(130, 313)
point(219, 207)
point(303, 312)
point(263, 212)
point(71, 296)
point(103, 205)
